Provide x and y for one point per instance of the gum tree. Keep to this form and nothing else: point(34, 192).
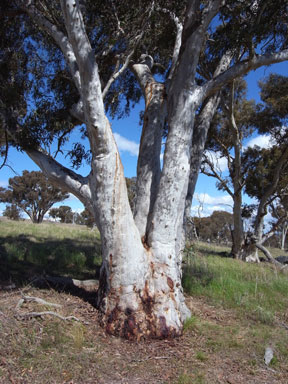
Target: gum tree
point(32, 193)
point(140, 293)
point(233, 124)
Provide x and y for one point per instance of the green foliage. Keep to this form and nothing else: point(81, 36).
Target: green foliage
point(36, 88)
point(272, 114)
point(214, 228)
point(85, 218)
point(64, 212)
point(261, 165)
point(12, 212)
point(32, 193)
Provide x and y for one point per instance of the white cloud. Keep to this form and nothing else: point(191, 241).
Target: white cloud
point(3, 183)
point(262, 141)
point(220, 163)
point(213, 200)
point(205, 204)
point(125, 145)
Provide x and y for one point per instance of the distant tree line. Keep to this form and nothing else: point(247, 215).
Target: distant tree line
point(34, 194)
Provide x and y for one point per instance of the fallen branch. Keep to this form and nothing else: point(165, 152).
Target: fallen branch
point(30, 299)
point(30, 315)
point(268, 255)
point(87, 285)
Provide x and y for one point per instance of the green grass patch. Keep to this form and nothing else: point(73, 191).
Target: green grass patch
point(255, 290)
point(27, 249)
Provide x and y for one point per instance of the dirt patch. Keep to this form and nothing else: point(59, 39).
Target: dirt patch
point(217, 347)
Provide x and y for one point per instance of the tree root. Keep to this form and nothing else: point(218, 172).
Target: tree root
point(30, 315)
point(29, 299)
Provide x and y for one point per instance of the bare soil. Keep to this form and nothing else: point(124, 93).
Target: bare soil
point(217, 346)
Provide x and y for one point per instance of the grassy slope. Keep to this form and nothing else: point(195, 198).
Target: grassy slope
point(237, 310)
point(257, 290)
point(27, 249)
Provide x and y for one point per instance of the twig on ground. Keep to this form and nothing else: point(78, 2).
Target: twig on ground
point(29, 315)
point(29, 299)
point(149, 358)
point(283, 325)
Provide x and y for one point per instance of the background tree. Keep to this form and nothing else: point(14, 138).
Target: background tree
point(64, 213)
point(92, 55)
point(279, 212)
point(85, 218)
point(215, 228)
point(12, 212)
point(33, 193)
point(267, 180)
point(231, 126)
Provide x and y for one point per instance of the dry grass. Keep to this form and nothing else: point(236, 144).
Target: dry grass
point(217, 347)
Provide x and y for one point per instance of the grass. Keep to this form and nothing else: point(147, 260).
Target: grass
point(27, 249)
point(257, 291)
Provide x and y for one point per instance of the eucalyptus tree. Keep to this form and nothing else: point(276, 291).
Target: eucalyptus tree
point(33, 193)
point(279, 212)
point(266, 179)
point(64, 213)
point(230, 127)
point(93, 52)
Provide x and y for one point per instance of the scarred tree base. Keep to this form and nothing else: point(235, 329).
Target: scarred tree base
point(140, 314)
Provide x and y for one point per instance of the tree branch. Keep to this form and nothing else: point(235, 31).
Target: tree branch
point(30, 299)
point(60, 39)
point(126, 63)
point(216, 175)
point(274, 228)
point(62, 176)
point(178, 40)
point(242, 68)
point(29, 315)
point(268, 255)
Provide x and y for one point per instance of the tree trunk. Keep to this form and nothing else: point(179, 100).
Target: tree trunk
point(148, 166)
point(283, 236)
point(139, 294)
point(236, 176)
point(201, 128)
point(238, 235)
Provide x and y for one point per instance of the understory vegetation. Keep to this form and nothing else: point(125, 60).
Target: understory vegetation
point(238, 309)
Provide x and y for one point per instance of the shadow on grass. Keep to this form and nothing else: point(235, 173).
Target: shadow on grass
point(214, 252)
point(24, 260)
point(21, 258)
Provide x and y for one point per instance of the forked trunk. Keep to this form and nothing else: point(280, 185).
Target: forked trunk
point(139, 293)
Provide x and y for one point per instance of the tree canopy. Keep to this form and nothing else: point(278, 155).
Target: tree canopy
point(32, 193)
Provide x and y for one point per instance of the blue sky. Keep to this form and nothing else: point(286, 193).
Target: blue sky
point(127, 133)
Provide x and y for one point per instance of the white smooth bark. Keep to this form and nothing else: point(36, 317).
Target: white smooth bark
point(148, 166)
point(200, 134)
